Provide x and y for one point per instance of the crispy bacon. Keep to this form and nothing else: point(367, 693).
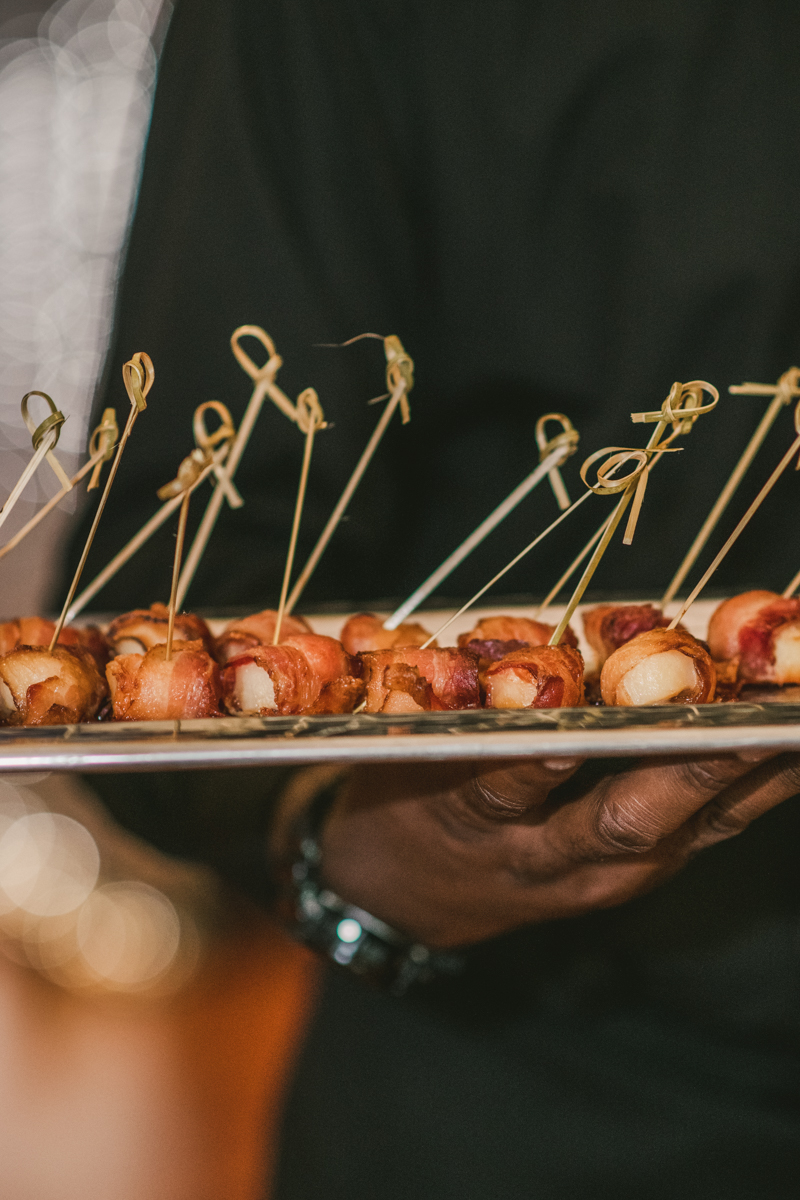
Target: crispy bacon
point(760, 630)
point(244, 633)
point(364, 632)
point(610, 626)
point(522, 630)
point(37, 631)
point(408, 679)
point(145, 687)
point(661, 666)
point(43, 687)
point(306, 673)
point(536, 677)
point(141, 629)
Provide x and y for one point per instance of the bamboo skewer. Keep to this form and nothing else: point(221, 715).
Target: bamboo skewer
point(681, 409)
point(553, 453)
point(103, 440)
point(138, 377)
point(782, 394)
point(265, 385)
point(756, 504)
point(176, 570)
point(310, 418)
point(44, 438)
point(793, 586)
point(399, 380)
point(692, 410)
point(213, 449)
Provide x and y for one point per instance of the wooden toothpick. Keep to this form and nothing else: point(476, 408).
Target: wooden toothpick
point(782, 393)
point(265, 385)
point(692, 408)
point(399, 380)
point(138, 377)
point(681, 409)
point(192, 471)
point(553, 453)
point(101, 448)
point(310, 418)
point(213, 450)
point(44, 438)
point(762, 495)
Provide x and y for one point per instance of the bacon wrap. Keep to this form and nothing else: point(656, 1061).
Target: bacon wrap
point(522, 630)
point(364, 632)
point(536, 677)
point(308, 673)
point(610, 626)
point(43, 687)
point(746, 626)
point(140, 630)
point(646, 645)
point(244, 633)
point(37, 631)
point(408, 679)
point(145, 687)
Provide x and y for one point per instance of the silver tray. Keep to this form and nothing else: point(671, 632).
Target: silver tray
point(767, 718)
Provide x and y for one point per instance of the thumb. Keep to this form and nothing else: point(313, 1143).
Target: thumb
point(507, 791)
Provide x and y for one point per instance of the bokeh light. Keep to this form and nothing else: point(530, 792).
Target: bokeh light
point(74, 107)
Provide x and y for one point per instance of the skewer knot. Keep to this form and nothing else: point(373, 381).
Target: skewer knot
point(309, 412)
point(682, 407)
point(187, 476)
point(102, 444)
point(50, 424)
point(138, 375)
point(217, 445)
point(399, 369)
point(569, 436)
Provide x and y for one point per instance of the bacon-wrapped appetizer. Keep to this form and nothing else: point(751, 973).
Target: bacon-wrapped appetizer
point(364, 632)
point(536, 677)
point(610, 626)
point(37, 631)
point(147, 687)
point(141, 629)
point(306, 673)
point(49, 687)
point(661, 666)
point(494, 637)
point(409, 679)
point(244, 633)
point(762, 630)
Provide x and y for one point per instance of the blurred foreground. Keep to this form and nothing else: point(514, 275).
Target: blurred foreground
point(110, 1091)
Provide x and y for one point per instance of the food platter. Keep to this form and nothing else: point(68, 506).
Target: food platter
point(768, 718)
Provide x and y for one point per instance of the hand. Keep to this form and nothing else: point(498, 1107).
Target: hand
point(455, 853)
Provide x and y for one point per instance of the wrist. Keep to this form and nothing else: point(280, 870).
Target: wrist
point(316, 914)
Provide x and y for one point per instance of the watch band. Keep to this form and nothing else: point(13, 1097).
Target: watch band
point(350, 937)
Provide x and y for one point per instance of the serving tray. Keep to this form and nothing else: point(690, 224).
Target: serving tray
point(768, 718)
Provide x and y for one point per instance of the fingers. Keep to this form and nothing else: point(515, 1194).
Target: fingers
point(507, 792)
point(632, 812)
point(744, 801)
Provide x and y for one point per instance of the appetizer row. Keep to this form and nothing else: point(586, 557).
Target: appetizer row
point(128, 674)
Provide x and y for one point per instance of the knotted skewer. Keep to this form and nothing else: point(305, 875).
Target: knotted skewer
point(101, 448)
point(399, 381)
point(793, 450)
point(310, 418)
point(681, 409)
point(782, 393)
point(553, 453)
point(44, 438)
point(213, 449)
point(138, 376)
point(264, 380)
